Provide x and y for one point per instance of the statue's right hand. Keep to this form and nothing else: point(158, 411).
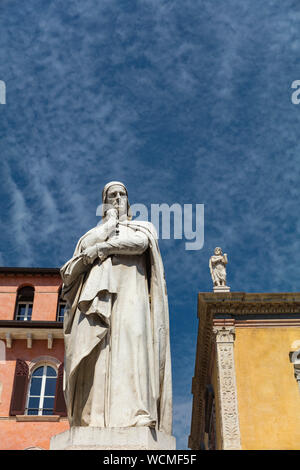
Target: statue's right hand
point(111, 222)
point(112, 213)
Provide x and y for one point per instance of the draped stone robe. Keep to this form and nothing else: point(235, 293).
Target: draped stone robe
point(217, 269)
point(117, 350)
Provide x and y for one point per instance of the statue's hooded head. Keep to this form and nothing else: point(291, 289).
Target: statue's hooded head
point(218, 251)
point(110, 195)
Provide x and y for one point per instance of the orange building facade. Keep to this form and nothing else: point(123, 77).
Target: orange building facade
point(32, 407)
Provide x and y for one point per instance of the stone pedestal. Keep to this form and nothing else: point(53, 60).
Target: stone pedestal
point(92, 438)
point(221, 289)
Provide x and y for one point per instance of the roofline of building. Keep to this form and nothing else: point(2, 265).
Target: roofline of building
point(21, 270)
point(248, 296)
point(243, 303)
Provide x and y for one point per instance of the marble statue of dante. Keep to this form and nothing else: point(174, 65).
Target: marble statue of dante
point(116, 325)
point(217, 266)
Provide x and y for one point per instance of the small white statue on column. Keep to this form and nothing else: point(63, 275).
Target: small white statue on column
point(217, 266)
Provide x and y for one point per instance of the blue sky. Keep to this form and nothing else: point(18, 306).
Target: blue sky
point(185, 103)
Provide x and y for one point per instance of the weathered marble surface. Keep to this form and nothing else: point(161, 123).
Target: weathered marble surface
point(227, 391)
point(217, 267)
point(221, 289)
point(92, 438)
point(117, 346)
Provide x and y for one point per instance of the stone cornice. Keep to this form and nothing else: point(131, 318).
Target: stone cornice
point(29, 333)
point(34, 271)
point(241, 303)
point(30, 324)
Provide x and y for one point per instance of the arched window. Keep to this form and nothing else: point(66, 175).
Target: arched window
point(60, 308)
point(41, 394)
point(24, 303)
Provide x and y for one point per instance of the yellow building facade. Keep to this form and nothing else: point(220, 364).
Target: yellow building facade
point(246, 385)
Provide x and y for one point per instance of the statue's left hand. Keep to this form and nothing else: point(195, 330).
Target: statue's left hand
point(90, 254)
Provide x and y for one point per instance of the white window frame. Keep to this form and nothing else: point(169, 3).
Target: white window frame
point(29, 303)
point(43, 385)
point(58, 310)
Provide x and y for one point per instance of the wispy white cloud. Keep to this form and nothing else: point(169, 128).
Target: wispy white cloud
point(20, 219)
